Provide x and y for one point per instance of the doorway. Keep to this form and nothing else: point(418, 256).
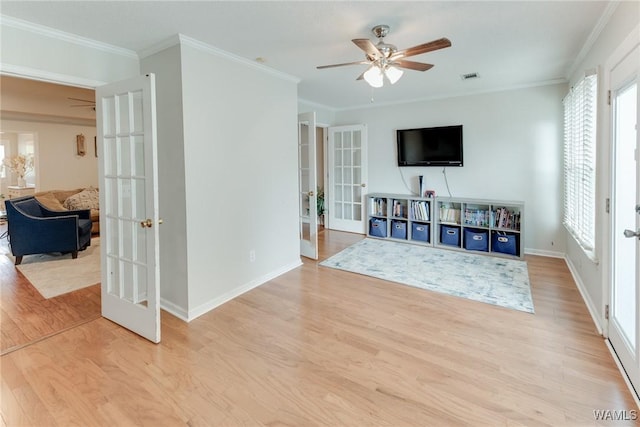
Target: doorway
point(42, 122)
point(624, 289)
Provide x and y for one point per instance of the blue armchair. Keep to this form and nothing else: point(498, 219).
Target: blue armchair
point(34, 229)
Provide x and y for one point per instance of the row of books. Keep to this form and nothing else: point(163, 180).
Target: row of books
point(449, 214)
point(379, 207)
point(477, 217)
point(420, 210)
point(505, 218)
point(498, 218)
point(399, 209)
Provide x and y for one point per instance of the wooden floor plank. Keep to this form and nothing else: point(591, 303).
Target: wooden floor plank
point(27, 317)
point(319, 346)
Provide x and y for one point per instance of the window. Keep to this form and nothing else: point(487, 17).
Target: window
point(580, 162)
point(3, 173)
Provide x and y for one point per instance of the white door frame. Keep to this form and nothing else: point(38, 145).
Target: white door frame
point(349, 225)
point(616, 57)
point(307, 193)
point(67, 80)
point(128, 169)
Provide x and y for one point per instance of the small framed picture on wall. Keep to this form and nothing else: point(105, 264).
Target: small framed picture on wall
point(80, 147)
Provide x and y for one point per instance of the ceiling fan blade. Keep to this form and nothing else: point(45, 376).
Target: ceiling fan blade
point(412, 65)
point(82, 100)
point(361, 76)
point(422, 48)
point(371, 49)
point(320, 67)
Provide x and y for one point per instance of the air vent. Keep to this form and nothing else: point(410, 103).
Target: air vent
point(470, 76)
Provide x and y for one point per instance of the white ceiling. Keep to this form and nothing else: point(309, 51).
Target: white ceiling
point(509, 44)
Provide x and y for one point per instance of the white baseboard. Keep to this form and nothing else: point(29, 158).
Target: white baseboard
point(540, 252)
point(210, 305)
point(174, 309)
point(585, 296)
point(623, 372)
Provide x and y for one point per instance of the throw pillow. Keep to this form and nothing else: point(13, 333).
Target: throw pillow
point(63, 195)
point(50, 202)
point(86, 199)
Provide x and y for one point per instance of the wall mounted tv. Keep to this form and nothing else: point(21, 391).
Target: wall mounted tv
point(435, 146)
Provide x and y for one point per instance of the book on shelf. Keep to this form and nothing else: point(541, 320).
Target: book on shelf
point(477, 217)
point(449, 214)
point(419, 210)
point(379, 206)
point(505, 218)
point(399, 209)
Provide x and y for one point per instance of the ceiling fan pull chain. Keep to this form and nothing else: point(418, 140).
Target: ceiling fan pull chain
point(371, 94)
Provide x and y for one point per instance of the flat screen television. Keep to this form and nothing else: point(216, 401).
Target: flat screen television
point(434, 146)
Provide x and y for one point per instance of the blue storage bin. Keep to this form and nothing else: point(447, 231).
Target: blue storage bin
point(420, 232)
point(505, 243)
point(378, 227)
point(476, 240)
point(399, 229)
point(450, 235)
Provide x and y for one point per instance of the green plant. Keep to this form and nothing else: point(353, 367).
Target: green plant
point(320, 201)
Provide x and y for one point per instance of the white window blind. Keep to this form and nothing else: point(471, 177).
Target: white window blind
point(580, 161)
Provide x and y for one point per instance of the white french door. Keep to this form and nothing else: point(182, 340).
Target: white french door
point(126, 125)
point(307, 184)
point(624, 298)
point(347, 174)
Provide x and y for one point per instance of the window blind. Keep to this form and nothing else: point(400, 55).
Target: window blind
point(580, 161)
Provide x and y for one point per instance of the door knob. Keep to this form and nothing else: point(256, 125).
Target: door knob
point(310, 193)
point(147, 223)
point(363, 185)
point(631, 233)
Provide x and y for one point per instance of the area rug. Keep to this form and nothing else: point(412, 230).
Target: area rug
point(492, 280)
point(57, 274)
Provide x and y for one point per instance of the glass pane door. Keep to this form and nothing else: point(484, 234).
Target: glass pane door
point(347, 178)
point(624, 297)
point(307, 197)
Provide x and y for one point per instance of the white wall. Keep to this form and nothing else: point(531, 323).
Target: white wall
point(512, 151)
point(58, 165)
point(241, 175)
point(227, 154)
point(590, 274)
point(324, 115)
point(60, 57)
point(166, 65)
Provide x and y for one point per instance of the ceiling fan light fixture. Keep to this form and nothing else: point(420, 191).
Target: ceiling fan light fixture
point(393, 74)
point(374, 76)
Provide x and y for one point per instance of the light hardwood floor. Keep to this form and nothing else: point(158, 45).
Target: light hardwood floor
point(318, 346)
point(27, 317)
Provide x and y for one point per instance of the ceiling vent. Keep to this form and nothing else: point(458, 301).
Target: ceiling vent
point(470, 76)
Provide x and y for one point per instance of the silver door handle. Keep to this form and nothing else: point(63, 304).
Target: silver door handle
point(631, 233)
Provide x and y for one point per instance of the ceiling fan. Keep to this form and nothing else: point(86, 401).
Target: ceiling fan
point(385, 60)
point(87, 103)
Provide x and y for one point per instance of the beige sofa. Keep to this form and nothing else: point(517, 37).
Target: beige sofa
point(80, 198)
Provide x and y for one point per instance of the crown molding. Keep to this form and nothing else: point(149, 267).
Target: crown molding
point(453, 95)
point(593, 36)
point(318, 105)
point(20, 116)
point(8, 21)
point(174, 40)
point(181, 39)
point(204, 47)
point(47, 76)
